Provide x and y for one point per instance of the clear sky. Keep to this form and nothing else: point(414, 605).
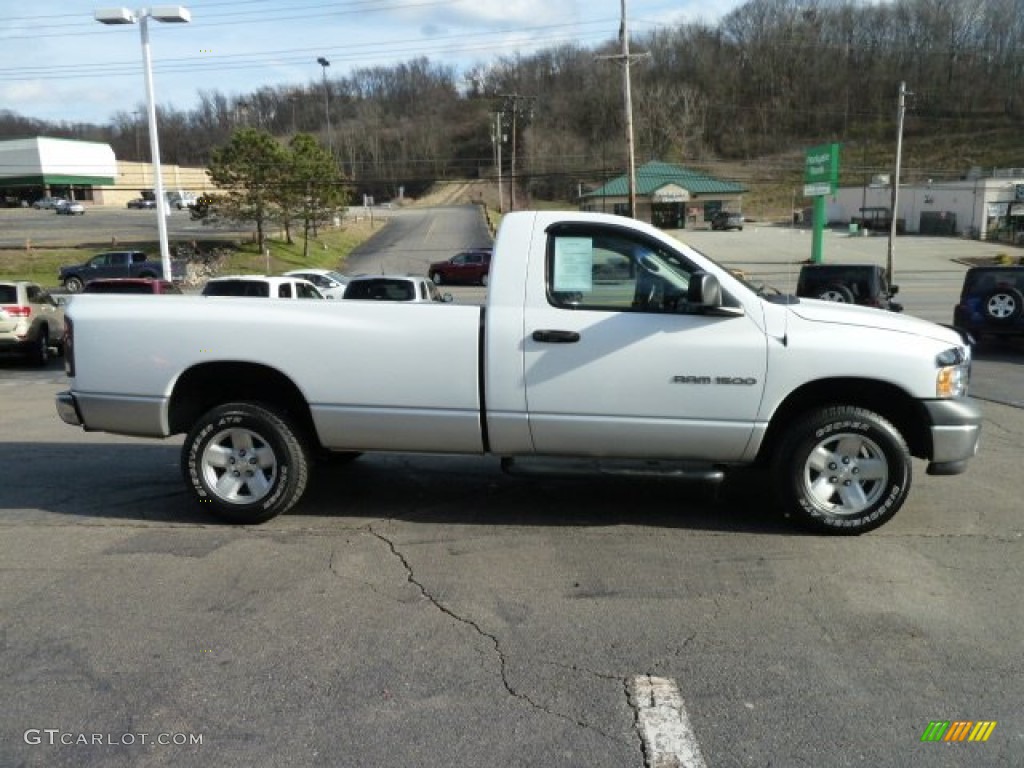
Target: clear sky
point(60, 64)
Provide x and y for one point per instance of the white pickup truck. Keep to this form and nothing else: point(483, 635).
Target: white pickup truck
point(601, 338)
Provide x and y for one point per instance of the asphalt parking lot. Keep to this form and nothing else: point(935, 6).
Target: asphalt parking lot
point(431, 611)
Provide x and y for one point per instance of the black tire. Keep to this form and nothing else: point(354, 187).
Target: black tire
point(39, 352)
point(273, 467)
point(838, 293)
point(1003, 305)
point(842, 470)
point(73, 284)
point(438, 278)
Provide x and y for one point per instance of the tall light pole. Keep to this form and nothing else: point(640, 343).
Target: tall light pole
point(324, 64)
point(166, 13)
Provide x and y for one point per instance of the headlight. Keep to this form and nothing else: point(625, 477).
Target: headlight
point(954, 373)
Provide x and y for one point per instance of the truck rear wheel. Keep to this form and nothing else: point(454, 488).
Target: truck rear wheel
point(73, 285)
point(245, 463)
point(842, 470)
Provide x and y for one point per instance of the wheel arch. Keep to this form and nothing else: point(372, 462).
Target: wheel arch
point(887, 400)
point(207, 385)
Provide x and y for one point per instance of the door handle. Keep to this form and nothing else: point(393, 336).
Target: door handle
point(556, 337)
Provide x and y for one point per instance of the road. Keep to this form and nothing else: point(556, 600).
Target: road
point(100, 227)
point(428, 611)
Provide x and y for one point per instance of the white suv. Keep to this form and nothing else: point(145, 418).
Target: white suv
point(30, 321)
point(394, 288)
point(261, 286)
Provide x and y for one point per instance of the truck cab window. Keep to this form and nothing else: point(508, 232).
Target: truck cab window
point(607, 270)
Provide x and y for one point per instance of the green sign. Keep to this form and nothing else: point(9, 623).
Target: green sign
point(821, 170)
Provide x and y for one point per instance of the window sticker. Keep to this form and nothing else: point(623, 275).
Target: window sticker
point(574, 264)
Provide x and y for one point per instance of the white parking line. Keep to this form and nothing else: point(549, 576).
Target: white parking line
point(663, 724)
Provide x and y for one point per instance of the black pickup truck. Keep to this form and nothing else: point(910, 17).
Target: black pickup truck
point(116, 264)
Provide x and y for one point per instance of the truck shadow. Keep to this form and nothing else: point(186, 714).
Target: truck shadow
point(141, 481)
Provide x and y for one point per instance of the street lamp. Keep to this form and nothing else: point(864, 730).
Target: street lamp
point(324, 63)
point(167, 13)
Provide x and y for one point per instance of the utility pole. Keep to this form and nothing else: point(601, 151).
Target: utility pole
point(901, 112)
point(138, 146)
point(626, 59)
point(511, 104)
point(496, 138)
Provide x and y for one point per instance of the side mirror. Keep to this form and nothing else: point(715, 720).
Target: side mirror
point(704, 291)
point(893, 290)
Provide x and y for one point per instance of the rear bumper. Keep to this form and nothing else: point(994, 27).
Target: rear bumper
point(119, 415)
point(955, 427)
point(67, 409)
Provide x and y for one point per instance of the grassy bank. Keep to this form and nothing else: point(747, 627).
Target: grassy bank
point(328, 251)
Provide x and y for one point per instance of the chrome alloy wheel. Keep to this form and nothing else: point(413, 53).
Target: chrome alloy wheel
point(239, 466)
point(845, 474)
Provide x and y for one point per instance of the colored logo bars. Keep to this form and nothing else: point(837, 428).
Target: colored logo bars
point(958, 730)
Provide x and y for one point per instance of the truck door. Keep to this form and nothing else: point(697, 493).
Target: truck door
point(617, 364)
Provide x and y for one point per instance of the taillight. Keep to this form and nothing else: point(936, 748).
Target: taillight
point(69, 347)
point(18, 311)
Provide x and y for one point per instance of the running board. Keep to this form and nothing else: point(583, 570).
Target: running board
point(680, 470)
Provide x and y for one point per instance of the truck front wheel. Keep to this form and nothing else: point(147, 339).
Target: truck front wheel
point(245, 463)
point(842, 470)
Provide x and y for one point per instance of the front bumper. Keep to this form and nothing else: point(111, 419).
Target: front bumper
point(955, 427)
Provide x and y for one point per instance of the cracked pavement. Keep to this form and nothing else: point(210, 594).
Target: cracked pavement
point(426, 611)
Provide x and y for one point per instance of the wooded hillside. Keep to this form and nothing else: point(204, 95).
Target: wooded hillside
point(770, 79)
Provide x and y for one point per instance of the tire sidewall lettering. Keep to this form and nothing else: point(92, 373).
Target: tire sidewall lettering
point(200, 442)
point(828, 424)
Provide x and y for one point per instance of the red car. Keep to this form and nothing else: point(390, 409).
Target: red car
point(130, 285)
point(470, 267)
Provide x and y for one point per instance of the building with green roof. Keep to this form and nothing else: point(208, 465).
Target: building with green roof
point(668, 196)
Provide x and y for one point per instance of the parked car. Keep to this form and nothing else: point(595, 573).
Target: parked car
point(115, 264)
point(727, 220)
point(472, 267)
point(261, 286)
point(864, 284)
point(180, 199)
point(69, 208)
point(31, 321)
point(330, 283)
point(47, 202)
point(394, 288)
point(141, 202)
point(991, 302)
point(131, 285)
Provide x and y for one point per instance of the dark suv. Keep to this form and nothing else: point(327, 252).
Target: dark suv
point(726, 220)
point(991, 302)
point(863, 284)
